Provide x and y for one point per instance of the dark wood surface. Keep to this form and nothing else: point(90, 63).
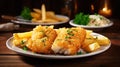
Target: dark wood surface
point(109, 58)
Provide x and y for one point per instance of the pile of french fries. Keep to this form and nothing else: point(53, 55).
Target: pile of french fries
point(93, 43)
point(43, 16)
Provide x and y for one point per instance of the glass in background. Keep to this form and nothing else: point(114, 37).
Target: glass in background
point(69, 8)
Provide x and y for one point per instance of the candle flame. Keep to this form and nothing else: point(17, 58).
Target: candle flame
point(106, 11)
point(105, 8)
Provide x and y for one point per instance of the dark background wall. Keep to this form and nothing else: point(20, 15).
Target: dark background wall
point(14, 7)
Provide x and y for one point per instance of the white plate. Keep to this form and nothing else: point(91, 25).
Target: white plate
point(90, 27)
point(28, 22)
point(31, 54)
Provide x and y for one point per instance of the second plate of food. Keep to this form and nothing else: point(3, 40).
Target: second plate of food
point(64, 19)
point(91, 22)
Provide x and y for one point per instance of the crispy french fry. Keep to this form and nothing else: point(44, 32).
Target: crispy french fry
point(89, 39)
point(36, 15)
point(92, 47)
point(34, 20)
point(43, 16)
point(103, 40)
point(51, 15)
point(21, 38)
point(23, 35)
point(37, 11)
point(88, 32)
point(43, 12)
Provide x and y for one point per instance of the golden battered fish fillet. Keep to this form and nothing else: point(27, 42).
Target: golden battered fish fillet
point(42, 39)
point(69, 40)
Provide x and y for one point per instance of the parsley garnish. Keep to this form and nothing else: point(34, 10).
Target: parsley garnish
point(67, 37)
point(25, 48)
point(70, 33)
point(25, 14)
point(22, 42)
point(43, 39)
point(79, 53)
point(81, 19)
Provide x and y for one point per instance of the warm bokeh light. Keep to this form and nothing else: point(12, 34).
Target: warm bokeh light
point(105, 11)
point(92, 8)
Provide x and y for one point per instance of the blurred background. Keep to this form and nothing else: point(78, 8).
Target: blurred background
point(108, 8)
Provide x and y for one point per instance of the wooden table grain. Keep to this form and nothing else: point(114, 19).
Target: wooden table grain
point(109, 58)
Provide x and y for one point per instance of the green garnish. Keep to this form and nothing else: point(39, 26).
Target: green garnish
point(79, 53)
point(81, 19)
point(25, 48)
point(101, 18)
point(69, 32)
point(97, 25)
point(44, 39)
point(46, 27)
point(25, 14)
point(22, 42)
point(42, 31)
point(67, 37)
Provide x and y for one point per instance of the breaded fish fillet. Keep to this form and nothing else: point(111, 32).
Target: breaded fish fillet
point(69, 40)
point(42, 39)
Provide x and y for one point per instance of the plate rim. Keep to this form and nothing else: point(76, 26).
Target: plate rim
point(31, 54)
point(73, 24)
point(30, 23)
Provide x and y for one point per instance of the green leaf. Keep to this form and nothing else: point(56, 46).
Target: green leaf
point(81, 19)
point(25, 13)
point(25, 48)
point(22, 42)
point(79, 53)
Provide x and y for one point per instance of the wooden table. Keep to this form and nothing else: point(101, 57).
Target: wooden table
point(109, 58)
